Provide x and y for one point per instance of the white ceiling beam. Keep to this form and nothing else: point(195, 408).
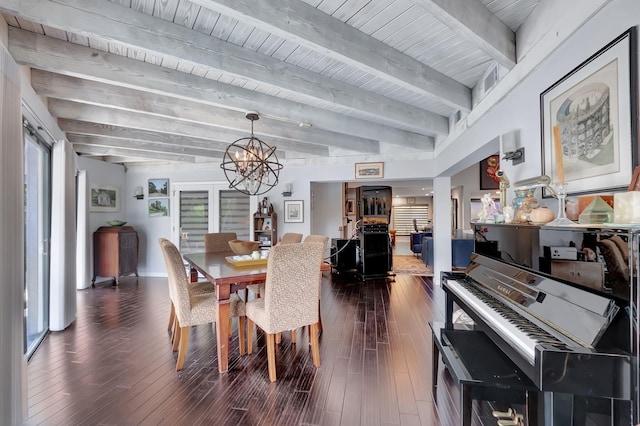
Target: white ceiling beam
point(472, 20)
point(301, 23)
point(131, 153)
point(70, 88)
point(66, 58)
point(114, 117)
point(142, 146)
point(112, 22)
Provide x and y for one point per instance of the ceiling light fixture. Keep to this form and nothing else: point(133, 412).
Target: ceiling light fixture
point(250, 165)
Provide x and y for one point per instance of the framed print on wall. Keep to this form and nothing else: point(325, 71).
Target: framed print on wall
point(593, 110)
point(158, 188)
point(159, 207)
point(104, 198)
point(294, 211)
point(488, 168)
point(369, 170)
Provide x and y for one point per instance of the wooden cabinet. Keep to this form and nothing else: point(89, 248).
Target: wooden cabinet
point(115, 252)
point(265, 229)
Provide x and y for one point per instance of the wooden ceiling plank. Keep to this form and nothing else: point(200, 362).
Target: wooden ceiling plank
point(142, 146)
point(114, 117)
point(69, 59)
point(297, 21)
point(177, 43)
point(472, 20)
point(100, 150)
point(70, 88)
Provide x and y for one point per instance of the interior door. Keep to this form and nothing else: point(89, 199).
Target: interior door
point(200, 208)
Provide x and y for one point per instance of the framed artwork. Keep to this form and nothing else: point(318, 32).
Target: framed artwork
point(159, 207)
point(369, 170)
point(488, 168)
point(158, 188)
point(294, 211)
point(588, 121)
point(351, 206)
point(104, 198)
point(266, 225)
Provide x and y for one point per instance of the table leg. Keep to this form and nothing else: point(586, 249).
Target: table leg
point(223, 331)
point(193, 275)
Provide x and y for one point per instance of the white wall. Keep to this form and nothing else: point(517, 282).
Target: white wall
point(101, 173)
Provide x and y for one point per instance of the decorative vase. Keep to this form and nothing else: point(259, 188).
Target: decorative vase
point(541, 215)
point(509, 212)
point(524, 203)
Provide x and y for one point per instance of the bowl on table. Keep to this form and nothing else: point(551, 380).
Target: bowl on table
point(242, 247)
point(116, 222)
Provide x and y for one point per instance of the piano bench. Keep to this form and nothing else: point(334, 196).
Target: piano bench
point(482, 371)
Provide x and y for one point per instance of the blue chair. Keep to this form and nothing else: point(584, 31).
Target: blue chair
point(416, 241)
point(461, 249)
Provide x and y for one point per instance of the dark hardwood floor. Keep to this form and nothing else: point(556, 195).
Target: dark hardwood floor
point(114, 365)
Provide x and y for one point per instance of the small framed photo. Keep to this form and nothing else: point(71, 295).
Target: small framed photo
point(158, 188)
point(294, 211)
point(266, 225)
point(369, 170)
point(350, 207)
point(104, 198)
point(159, 207)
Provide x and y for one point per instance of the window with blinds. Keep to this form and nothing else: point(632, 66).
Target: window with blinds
point(194, 220)
point(234, 214)
point(403, 217)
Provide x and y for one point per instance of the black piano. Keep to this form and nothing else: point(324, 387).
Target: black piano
point(572, 343)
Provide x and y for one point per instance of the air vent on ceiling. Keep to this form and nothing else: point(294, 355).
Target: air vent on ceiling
point(491, 79)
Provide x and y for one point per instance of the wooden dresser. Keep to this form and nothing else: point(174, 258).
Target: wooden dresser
point(115, 252)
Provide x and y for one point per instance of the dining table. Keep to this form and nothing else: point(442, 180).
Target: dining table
point(228, 278)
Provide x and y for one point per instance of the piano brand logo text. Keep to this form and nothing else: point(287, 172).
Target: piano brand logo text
point(504, 290)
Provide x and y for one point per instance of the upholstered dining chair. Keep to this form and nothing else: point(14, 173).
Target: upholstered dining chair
point(192, 308)
point(290, 237)
point(290, 298)
point(196, 288)
point(218, 241)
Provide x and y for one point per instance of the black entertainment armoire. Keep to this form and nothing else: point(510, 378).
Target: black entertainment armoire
point(373, 212)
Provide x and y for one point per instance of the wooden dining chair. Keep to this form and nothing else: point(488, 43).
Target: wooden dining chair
point(192, 308)
point(218, 241)
point(290, 298)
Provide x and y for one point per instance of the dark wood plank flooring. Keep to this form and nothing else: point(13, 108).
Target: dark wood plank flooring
point(114, 365)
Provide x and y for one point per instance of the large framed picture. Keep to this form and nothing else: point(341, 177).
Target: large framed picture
point(104, 198)
point(593, 111)
point(294, 211)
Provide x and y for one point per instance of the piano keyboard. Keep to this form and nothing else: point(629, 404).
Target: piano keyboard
point(507, 323)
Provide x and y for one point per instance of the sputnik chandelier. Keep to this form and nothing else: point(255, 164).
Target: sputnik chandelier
point(250, 165)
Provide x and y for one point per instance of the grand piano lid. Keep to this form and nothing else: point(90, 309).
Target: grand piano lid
point(577, 313)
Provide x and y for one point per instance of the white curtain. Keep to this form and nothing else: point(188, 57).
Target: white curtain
point(12, 362)
point(62, 311)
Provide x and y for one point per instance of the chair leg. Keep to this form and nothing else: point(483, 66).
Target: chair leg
point(319, 319)
point(315, 348)
point(278, 338)
point(177, 335)
point(182, 352)
point(249, 336)
point(293, 336)
point(271, 356)
point(172, 317)
point(241, 335)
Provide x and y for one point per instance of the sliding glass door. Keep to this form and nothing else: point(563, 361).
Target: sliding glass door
point(37, 215)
